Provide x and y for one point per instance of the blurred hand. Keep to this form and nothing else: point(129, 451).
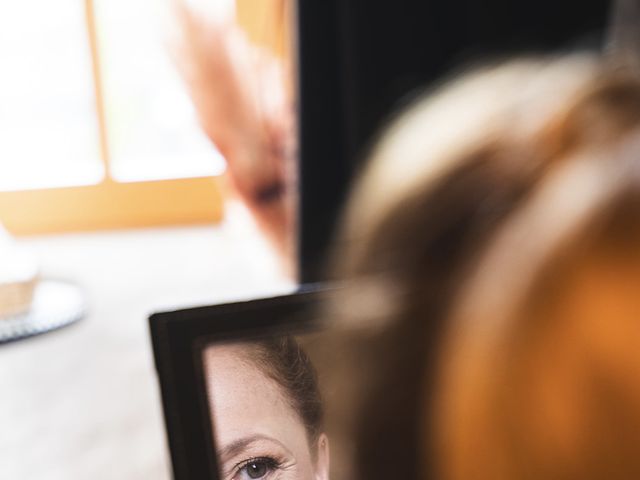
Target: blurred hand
point(240, 94)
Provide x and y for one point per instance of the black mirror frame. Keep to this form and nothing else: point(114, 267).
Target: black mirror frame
point(178, 338)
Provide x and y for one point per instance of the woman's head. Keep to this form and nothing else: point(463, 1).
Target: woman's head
point(266, 410)
point(445, 180)
point(539, 370)
point(543, 383)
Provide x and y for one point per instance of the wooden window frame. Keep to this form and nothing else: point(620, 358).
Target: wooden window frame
point(110, 204)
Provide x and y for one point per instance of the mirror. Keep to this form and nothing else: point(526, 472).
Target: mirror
point(266, 407)
point(248, 389)
point(271, 404)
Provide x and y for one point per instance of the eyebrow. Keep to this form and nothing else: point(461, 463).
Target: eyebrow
point(239, 445)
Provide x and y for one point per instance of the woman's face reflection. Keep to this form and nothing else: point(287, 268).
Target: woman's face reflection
point(258, 434)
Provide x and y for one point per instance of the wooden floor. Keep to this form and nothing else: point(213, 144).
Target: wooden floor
point(83, 403)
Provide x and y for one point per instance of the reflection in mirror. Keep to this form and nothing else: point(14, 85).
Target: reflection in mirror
point(266, 401)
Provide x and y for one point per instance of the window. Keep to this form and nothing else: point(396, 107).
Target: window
point(48, 125)
point(96, 129)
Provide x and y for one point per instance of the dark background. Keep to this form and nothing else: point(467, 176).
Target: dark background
point(360, 60)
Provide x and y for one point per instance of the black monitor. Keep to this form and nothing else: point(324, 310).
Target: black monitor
point(360, 60)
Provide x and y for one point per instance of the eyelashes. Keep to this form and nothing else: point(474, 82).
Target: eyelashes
point(255, 468)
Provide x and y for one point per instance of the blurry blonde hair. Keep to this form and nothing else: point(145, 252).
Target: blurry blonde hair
point(448, 181)
point(540, 369)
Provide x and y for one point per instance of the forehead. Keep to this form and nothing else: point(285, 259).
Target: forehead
point(244, 400)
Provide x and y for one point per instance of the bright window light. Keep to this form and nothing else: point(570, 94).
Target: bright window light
point(48, 122)
point(152, 128)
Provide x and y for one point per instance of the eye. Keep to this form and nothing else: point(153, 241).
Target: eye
point(256, 468)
